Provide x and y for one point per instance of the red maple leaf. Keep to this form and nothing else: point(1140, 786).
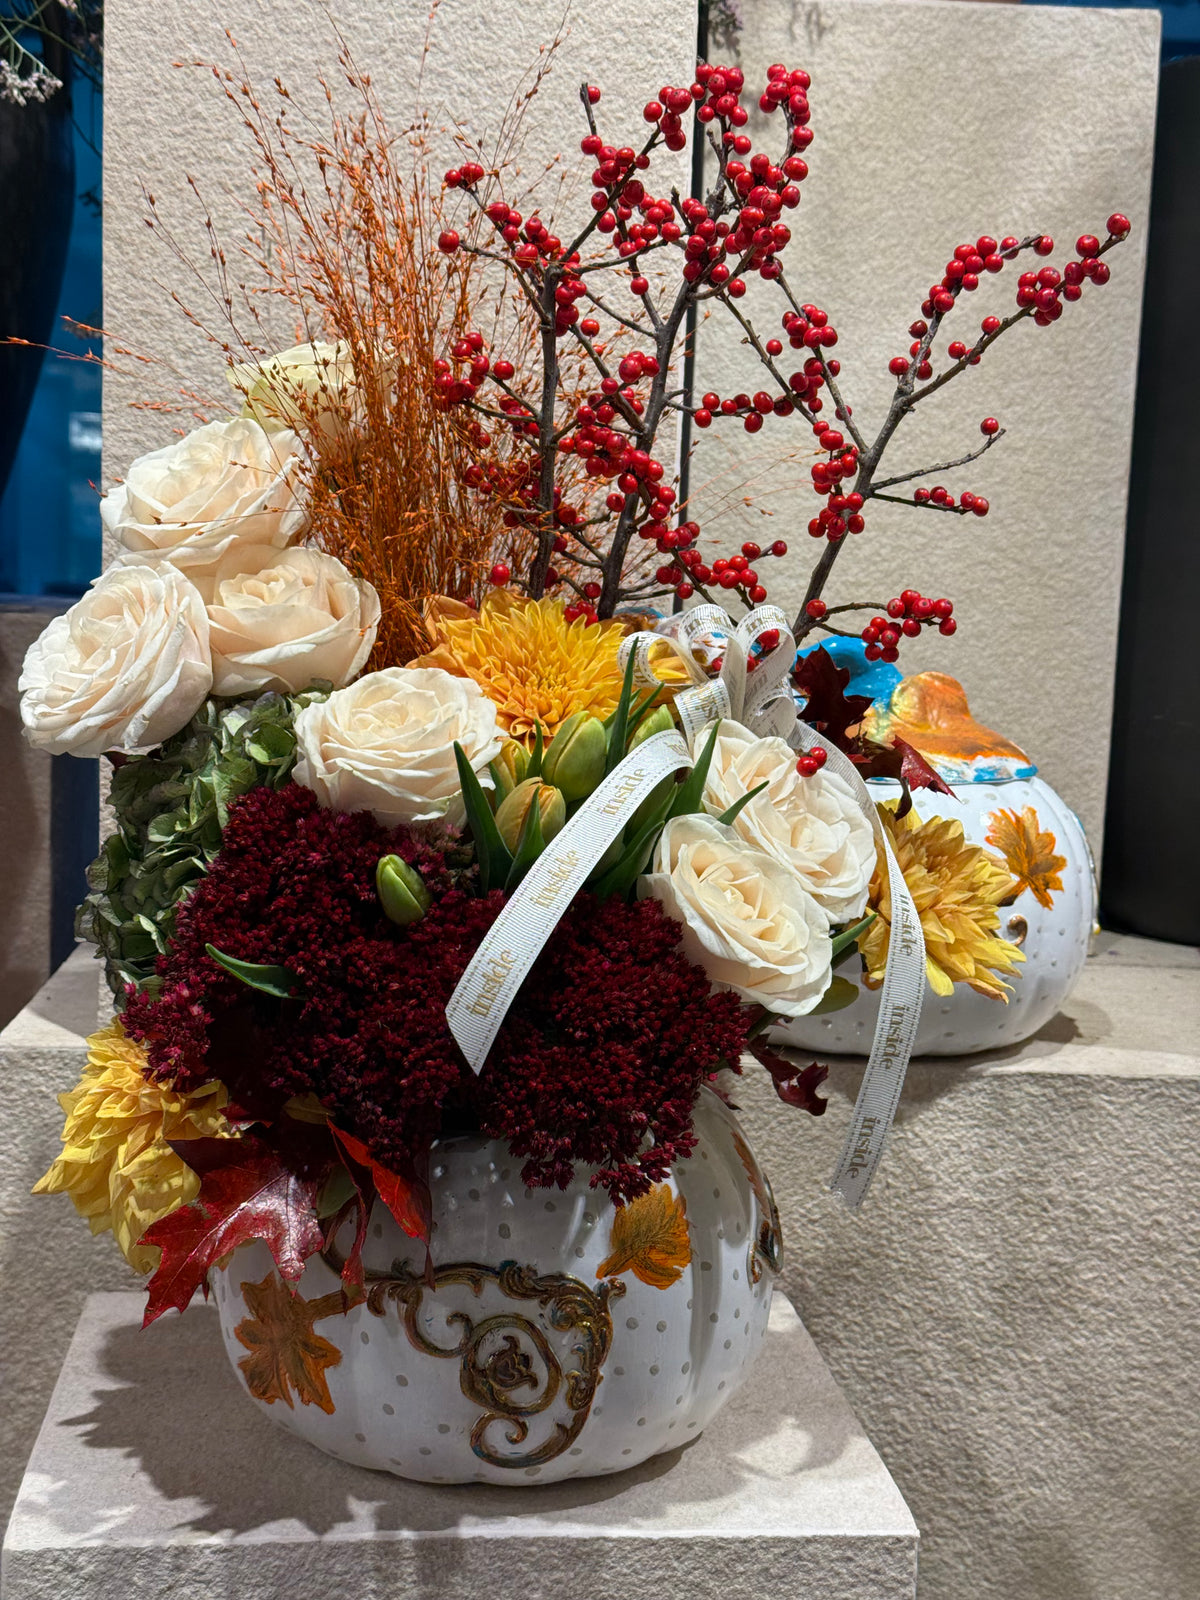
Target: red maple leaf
point(795, 1086)
point(833, 712)
point(828, 708)
point(407, 1198)
point(257, 1199)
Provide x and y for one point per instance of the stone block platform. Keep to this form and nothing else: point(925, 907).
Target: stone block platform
point(154, 1477)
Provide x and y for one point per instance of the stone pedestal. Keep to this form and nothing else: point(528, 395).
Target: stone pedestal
point(152, 1475)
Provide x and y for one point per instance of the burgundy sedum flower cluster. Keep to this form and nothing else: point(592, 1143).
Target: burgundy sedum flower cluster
point(615, 1034)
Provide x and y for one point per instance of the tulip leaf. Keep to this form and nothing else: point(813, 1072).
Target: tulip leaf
point(690, 794)
point(623, 874)
point(534, 769)
point(842, 942)
point(530, 845)
point(742, 801)
point(642, 710)
point(277, 981)
point(618, 731)
point(840, 993)
point(491, 852)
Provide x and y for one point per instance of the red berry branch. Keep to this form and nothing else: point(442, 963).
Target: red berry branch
point(582, 479)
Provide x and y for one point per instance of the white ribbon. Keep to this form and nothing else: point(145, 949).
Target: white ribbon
point(758, 696)
point(762, 701)
point(512, 944)
point(900, 1004)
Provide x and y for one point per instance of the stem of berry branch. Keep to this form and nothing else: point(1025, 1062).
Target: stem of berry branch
point(942, 466)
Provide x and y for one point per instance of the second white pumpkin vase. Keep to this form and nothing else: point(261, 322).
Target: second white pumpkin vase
point(1009, 811)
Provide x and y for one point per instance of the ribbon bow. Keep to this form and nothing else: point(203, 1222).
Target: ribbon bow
point(751, 689)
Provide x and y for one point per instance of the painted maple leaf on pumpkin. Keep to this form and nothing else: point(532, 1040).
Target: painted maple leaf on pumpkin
point(1028, 850)
point(650, 1239)
point(285, 1353)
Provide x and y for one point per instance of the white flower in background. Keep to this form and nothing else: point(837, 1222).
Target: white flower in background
point(282, 618)
point(386, 744)
point(751, 926)
point(813, 826)
point(192, 502)
point(123, 669)
point(310, 388)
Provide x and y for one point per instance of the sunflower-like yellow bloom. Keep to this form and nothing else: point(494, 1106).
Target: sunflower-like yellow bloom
point(534, 665)
point(116, 1164)
point(956, 888)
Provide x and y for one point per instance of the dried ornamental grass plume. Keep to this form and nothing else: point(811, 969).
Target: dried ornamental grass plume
point(342, 233)
point(534, 665)
point(956, 888)
point(116, 1164)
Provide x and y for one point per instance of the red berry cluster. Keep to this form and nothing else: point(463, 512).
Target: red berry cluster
point(811, 762)
point(907, 614)
point(939, 495)
point(842, 513)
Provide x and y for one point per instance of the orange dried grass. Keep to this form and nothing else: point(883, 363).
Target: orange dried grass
point(343, 230)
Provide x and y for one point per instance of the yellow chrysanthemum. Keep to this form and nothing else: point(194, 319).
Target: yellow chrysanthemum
point(956, 888)
point(116, 1164)
point(532, 663)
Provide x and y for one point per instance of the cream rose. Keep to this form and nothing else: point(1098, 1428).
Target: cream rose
point(386, 744)
point(746, 920)
point(813, 825)
point(191, 503)
point(309, 388)
point(290, 617)
point(123, 669)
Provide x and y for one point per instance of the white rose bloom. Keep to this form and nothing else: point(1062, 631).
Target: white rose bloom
point(386, 744)
point(746, 920)
point(123, 669)
point(287, 617)
point(812, 825)
point(309, 388)
point(192, 502)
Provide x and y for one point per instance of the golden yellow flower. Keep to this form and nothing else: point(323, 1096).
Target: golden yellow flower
point(956, 888)
point(532, 663)
point(116, 1164)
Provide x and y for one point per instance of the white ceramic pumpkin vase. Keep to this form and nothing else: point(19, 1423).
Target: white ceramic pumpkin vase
point(558, 1336)
point(1004, 807)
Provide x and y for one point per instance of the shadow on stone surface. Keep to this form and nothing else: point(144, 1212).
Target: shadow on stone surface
point(177, 1413)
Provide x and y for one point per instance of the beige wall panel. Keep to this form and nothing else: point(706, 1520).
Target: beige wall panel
point(164, 123)
point(935, 123)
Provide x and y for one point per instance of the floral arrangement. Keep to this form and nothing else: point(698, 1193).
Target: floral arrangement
point(375, 648)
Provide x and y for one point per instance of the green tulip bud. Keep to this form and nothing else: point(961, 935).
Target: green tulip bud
point(510, 814)
point(659, 720)
point(574, 762)
point(401, 891)
point(509, 768)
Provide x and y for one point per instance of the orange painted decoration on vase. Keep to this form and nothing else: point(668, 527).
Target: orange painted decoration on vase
point(650, 1239)
point(1029, 851)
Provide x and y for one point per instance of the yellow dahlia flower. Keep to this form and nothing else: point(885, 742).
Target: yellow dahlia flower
point(956, 888)
point(532, 663)
point(116, 1164)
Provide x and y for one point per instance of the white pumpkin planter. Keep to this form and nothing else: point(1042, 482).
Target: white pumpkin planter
point(1054, 939)
point(542, 1354)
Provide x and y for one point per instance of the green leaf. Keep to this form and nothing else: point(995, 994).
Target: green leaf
point(492, 853)
point(731, 814)
point(623, 874)
point(850, 936)
point(642, 710)
point(277, 981)
point(840, 993)
point(689, 797)
point(530, 845)
point(534, 769)
point(618, 732)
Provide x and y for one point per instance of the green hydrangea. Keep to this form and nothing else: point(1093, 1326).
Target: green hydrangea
point(170, 809)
